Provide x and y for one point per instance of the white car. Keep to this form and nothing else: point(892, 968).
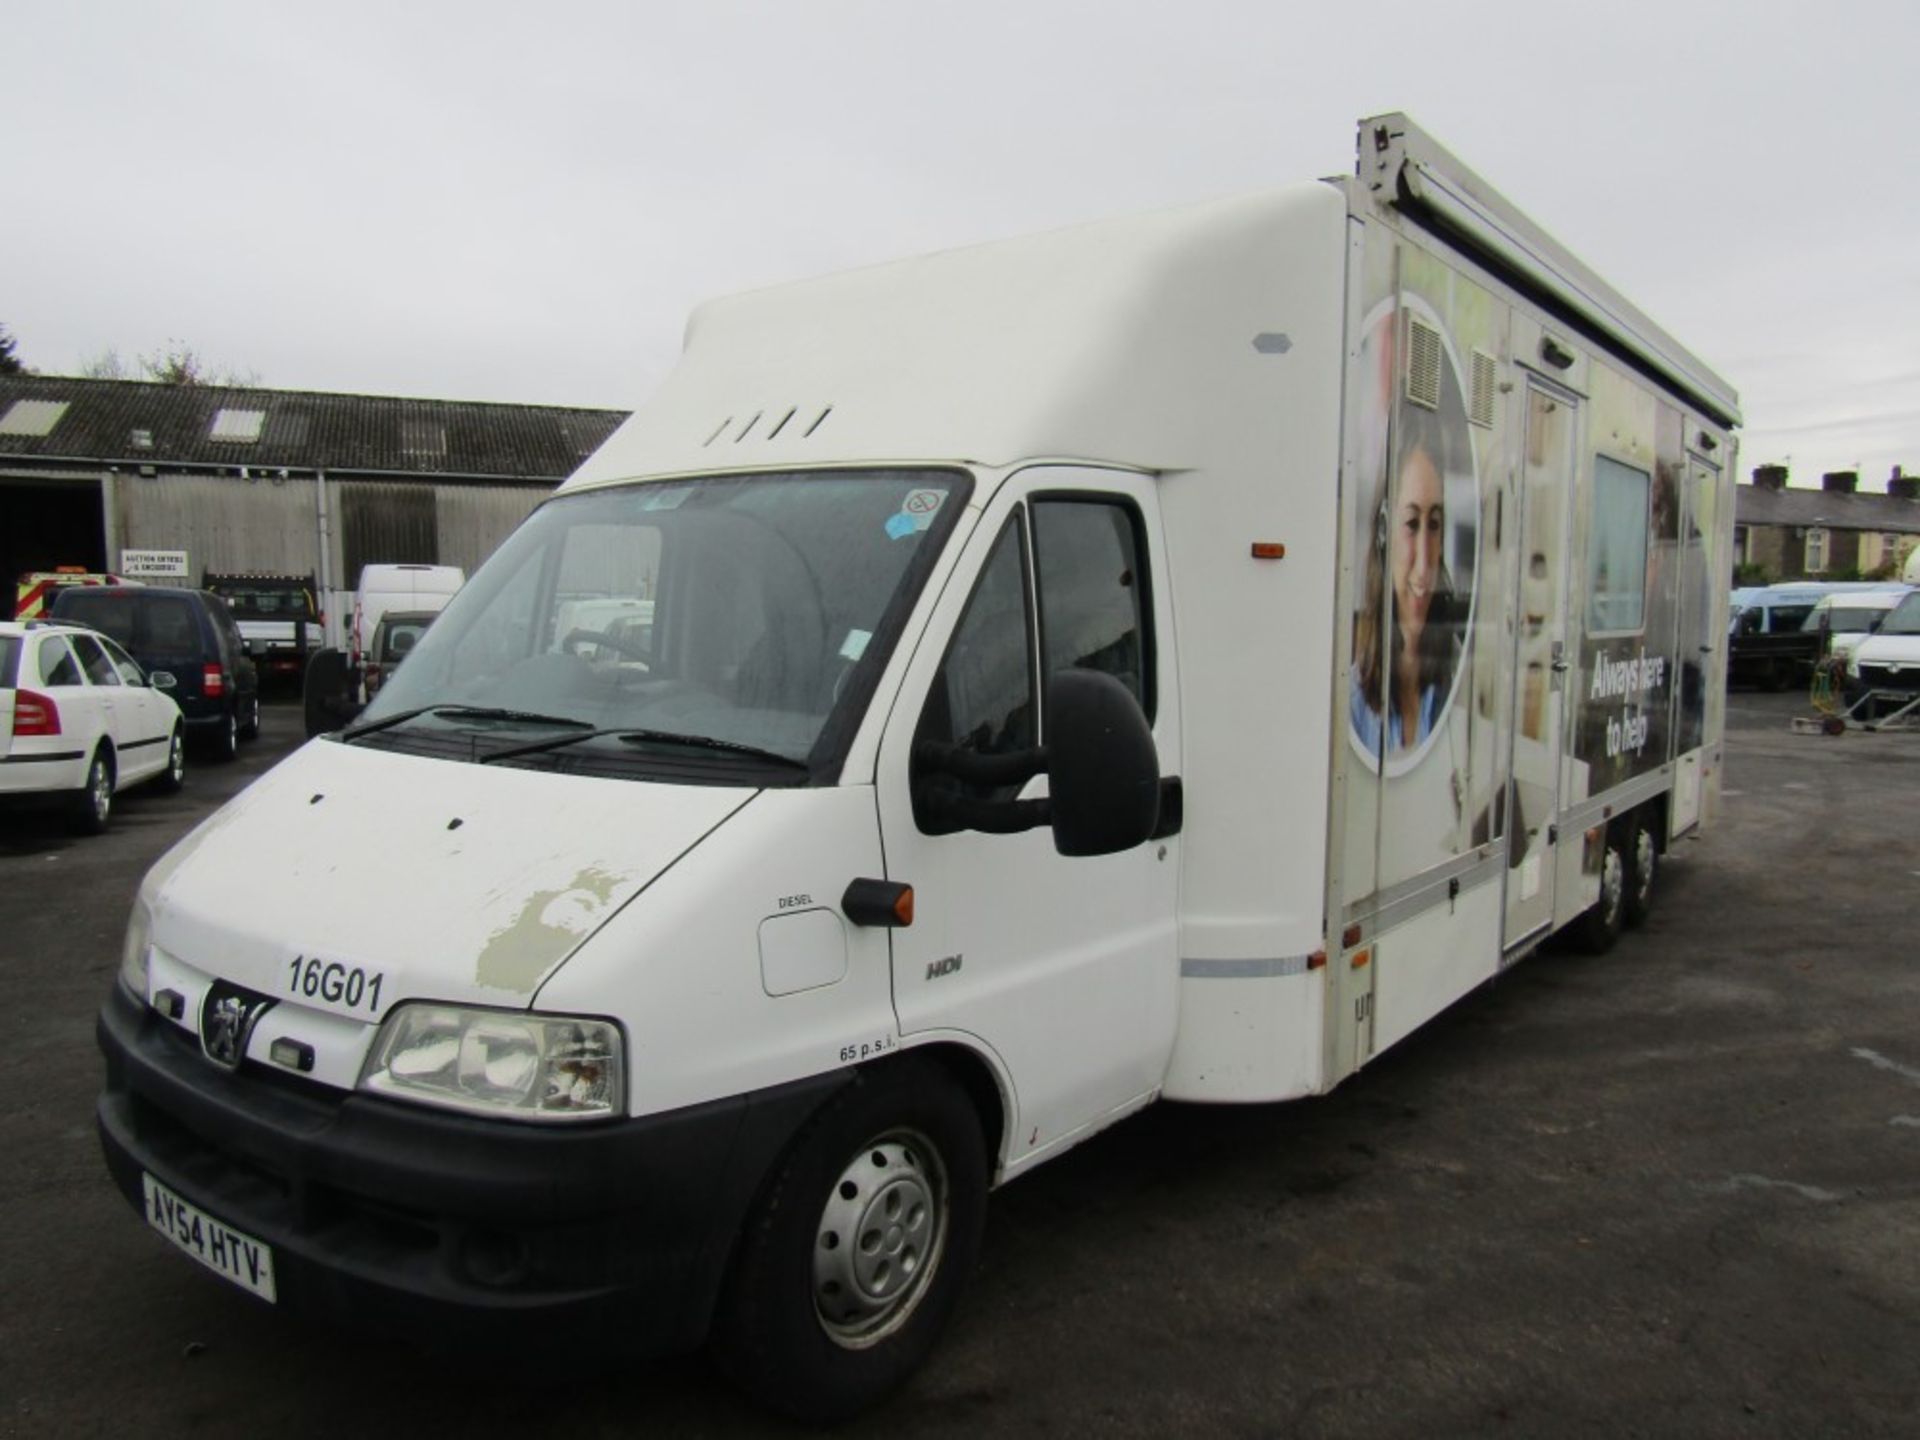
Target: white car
point(80, 720)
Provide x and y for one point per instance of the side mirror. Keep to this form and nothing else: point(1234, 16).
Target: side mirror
point(162, 680)
point(1103, 770)
point(1103, 774)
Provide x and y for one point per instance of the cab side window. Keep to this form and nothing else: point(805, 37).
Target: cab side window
point(1088, 573)
point(982, 700)
point(1090, 563)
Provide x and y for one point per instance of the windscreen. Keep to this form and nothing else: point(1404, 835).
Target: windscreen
point(620, 630)
point(1904, 618)
point(1845, 619)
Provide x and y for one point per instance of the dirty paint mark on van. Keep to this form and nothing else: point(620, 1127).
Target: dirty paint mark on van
point(549, 925)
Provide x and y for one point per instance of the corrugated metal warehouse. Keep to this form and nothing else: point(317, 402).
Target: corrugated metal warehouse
point(207, 478)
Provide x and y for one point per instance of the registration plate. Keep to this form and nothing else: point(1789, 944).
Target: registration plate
point(245, 1261)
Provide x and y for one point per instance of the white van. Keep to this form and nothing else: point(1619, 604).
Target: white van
point(976, 697)
point(1846, 617)
point(1883, 669)
point(382, 588)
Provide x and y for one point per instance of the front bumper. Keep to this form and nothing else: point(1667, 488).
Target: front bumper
point(459, 1233)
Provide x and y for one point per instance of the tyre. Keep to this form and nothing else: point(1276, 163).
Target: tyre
point(859, 1246)
point(169, 780)
point(1596, 930)
point(226, 740)
point(324, 691)
point(92, 804)
point(250, 727)
point(1643, 864)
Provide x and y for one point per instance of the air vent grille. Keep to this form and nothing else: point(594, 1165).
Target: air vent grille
point(1423, 363)
point(1486, 373)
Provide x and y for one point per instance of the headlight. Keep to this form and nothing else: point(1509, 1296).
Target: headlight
point(133, 950)
point(499, 1062)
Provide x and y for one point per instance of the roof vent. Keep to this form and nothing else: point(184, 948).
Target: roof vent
point(32, 417)
point(1423, 363)
point(238, 427)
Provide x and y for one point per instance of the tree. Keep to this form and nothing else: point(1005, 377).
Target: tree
point(175, 364)
point(9, 362)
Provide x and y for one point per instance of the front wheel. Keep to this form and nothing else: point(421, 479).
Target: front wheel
point(249, 729)
point(860, 1246)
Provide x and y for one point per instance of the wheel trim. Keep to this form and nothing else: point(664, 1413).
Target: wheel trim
point(176, 758)
point(1613, 884)
point(100, 791)
point(880, 1239)
point(1644, 859)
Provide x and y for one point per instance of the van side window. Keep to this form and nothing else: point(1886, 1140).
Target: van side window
point(1093, 593)
point(982, 699)
point(1617, 548)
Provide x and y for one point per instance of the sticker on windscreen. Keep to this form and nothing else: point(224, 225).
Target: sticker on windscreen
point(666, 499)
point(921, 506)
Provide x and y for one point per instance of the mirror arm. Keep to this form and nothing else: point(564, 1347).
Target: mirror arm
point(975, 769)
point(992, 817)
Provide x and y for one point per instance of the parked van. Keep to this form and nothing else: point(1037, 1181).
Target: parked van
point(1174, 657)
point(188, 641)
point(1883, 669)
point(338, 683)
point(398, 587)
point(1844, 618)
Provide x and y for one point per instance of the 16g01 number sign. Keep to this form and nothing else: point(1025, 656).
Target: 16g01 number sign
point(347, 987)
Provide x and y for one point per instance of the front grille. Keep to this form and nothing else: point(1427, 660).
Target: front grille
point(1886, 677)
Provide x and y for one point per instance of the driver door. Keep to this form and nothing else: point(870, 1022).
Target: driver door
point(1065, 969)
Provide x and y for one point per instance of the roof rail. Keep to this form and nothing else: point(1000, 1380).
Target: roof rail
point(1415, 174)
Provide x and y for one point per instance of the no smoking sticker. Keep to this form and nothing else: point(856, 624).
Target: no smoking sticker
point(922, 506)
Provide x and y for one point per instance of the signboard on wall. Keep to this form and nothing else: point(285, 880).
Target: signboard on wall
point(153, 564)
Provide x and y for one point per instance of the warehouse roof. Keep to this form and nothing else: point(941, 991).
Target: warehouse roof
point(130, 422)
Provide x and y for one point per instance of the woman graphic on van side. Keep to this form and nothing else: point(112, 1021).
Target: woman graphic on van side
point(1402, 686)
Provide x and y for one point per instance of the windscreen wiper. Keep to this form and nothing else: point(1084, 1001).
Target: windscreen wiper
point(647, 737)
point(466, 712)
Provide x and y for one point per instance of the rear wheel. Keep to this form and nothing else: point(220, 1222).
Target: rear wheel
point(92, 807)
point(1643, 863)
point(858, 1250)
point(1596, 930)
point(226, 740)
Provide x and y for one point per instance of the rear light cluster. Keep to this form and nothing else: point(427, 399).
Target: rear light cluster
point(34, 714)
point(213, 681)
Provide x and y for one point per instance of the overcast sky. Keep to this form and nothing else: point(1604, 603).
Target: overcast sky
point(512, 202)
